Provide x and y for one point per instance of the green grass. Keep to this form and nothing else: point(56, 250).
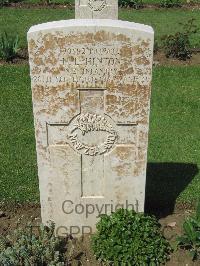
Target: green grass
point(72, 1)
point(62, 2)
point(173, 142)
point(163, 21)
point(174, 136)
point(17, 145)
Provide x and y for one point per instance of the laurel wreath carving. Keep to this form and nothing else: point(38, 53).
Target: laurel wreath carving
point(92, 122)
point(97, 5)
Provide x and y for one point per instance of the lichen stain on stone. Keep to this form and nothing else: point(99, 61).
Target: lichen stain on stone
point(122, 38)
point(124, 100)
point(36, 70)
point(41, 92)
point(37, 131)
point(122, 107)
point(125, 69)
point(58, 103)
point(55, 71)
point(142, 137)
point(58, 39)
point(141, 154)
point(101, 36)
point(143, 91)
point(111, 99)
point(123, 152)
point(42, 150)
point(137, 49)
point(142, 60)
point(51, 59)
point(49, 41)
point(38, 92)
point(126, 51)
point(53, 102)
point(122, 169)
point(139, 168)
point(130, 90)
point(31, 44)
point(146, 43)
point(38, 61)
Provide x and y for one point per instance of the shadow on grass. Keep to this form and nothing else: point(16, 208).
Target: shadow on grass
point(165, 181)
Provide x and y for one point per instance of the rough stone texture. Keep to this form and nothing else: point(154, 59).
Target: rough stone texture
point(97, 9)
point(91, 100)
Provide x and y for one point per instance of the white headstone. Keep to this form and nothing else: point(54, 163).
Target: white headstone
point(96, 9)
point(91, 98)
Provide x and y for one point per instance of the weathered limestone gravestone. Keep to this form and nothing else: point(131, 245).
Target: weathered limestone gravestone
point(91, 98)
point(103, 9)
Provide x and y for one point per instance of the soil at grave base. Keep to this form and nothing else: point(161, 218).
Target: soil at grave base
point(159, 59)
point(12, 216)
point(21, 59)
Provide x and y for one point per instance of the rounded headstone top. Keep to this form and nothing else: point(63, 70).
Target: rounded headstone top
point(91, 22)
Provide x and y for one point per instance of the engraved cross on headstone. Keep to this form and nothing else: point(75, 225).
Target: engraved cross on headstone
point(97, 9)
point(93, 135)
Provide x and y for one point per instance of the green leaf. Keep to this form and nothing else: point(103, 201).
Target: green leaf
point(198, 211)
point(133, 239)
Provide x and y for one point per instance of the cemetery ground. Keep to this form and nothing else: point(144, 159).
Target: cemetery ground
point(173, 177)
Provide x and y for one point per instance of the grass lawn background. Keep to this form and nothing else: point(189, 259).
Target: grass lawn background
point(174, 135)
point(173, 153)
point(164, 21)
point(72, 1)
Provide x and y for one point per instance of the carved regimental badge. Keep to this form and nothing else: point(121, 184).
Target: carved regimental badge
point(92, 134)
point(97, 5)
